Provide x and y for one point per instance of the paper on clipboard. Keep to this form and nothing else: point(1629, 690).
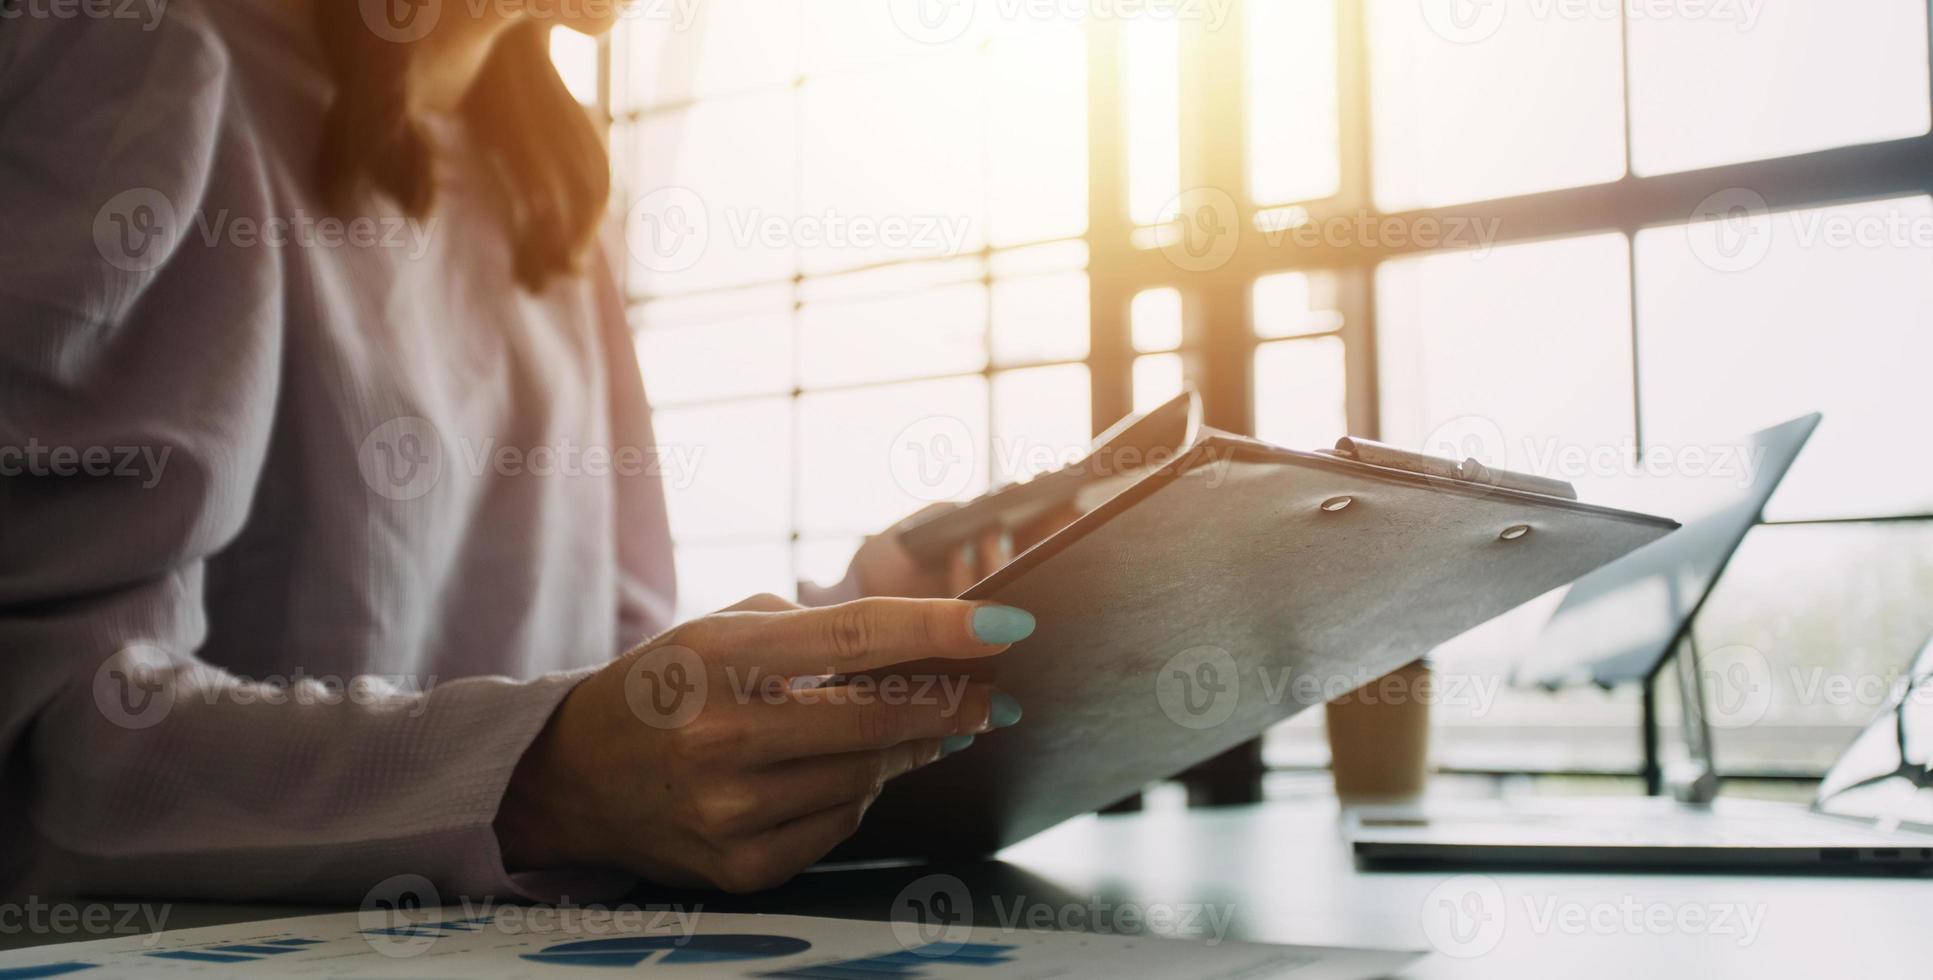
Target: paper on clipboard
point(1127, 451)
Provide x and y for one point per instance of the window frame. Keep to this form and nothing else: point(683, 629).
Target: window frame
point(1219, 342)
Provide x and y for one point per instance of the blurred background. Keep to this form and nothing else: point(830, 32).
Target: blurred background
point(1565, 229)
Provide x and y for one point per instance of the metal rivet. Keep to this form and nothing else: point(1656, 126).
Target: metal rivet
point(1514, 531)
point(1334, 504)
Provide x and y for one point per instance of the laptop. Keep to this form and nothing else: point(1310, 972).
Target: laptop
point(1873, 811)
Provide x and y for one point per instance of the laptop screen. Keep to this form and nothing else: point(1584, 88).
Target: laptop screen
point(1883, 776)
point(1618, 623)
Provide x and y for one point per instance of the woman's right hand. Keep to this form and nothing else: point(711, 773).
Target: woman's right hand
point(711, 757)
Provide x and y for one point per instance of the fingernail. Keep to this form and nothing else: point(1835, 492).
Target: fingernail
point(995, 625)
point(1006, 711)
point(954, 744)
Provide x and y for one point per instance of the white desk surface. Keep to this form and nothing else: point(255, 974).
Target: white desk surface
point(1288, 873)
point(1282, 873)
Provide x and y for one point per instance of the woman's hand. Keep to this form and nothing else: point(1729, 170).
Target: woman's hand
point(716, 755)
point(883, 567)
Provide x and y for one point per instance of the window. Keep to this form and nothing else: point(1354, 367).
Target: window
point(1786, 78)
point(880, 260)
point(1522, 346)
point(855, 294)
point(1717, 284)
point(1455, 113)
point(1825, 309)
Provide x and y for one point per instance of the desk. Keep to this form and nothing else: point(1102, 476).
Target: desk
point(1282, 873)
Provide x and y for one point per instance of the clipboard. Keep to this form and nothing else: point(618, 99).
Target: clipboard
point(1214, 598)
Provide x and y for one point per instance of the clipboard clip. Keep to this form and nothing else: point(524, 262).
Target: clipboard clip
point(1469, 471)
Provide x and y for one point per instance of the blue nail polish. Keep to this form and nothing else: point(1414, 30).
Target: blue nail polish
point(954, 744)
point(995, 625)
point(1006, 711)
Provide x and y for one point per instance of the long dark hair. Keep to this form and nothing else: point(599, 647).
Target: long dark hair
point(556, 171)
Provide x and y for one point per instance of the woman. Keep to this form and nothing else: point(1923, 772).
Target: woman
point(273, 269)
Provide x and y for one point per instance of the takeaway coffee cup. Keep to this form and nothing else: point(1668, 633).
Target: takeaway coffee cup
point(1379, 738)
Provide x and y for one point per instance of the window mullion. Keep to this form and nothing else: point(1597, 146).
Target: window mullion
point(1111, 278)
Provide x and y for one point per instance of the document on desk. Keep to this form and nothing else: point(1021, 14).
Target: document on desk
point(686, 943)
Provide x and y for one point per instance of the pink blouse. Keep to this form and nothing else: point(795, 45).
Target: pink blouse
point(307, 521)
